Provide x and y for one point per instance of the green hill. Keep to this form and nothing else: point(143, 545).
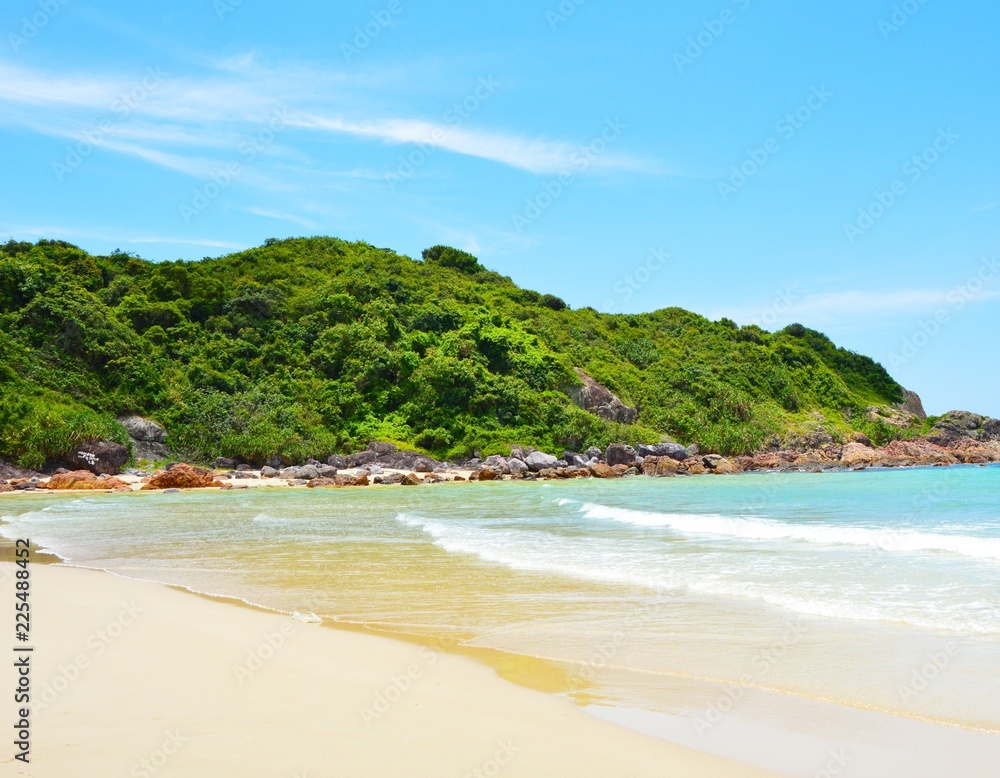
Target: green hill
point(305, 347)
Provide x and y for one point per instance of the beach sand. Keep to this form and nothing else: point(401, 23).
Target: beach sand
point(138, 679)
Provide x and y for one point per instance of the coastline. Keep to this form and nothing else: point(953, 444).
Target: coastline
point(136, 673)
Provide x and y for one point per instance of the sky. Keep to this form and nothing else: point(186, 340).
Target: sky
point(825, 163)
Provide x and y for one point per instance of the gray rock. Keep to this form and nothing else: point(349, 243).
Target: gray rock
point(517, 467)
point(381, 449)
point(274, 462)
point(100, 457)
point(620, 454)
point(539, 460)
point(225, 463)
point(516, 452)
point(424, 465)
point(154, 452)
point(498, 463)
point(599, 400)
point(245, 474)
point(145, 430)
point(268, 472)
point(297, 482)
point(326, 471)
point(361, 458)
point(307, 472)
point(959, 425)
point(337, 461)
point(672, 450)
point(562, 463)
point(693, 450)
point(288, 473)
point(244, 467)
point(375, 469)
point(593, 453)
point(391, 478)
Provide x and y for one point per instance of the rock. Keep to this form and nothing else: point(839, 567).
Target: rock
point(244, 467)
point(620, 454)
point(225, 463)
point(599, 400)
point(719, 464)
point(307, 473)
point(245, 474)
point(601, 470)
point(361, 458)
point(517, 467)
point(142, 429)
point(337, 461)
point(912, 404)
point(361, 479)
point(499, 463)
point(539, 460)
point(693, 467)
point(101, 457)
point(593, 453)
point(375, 470)
point(855, 454)
point(268, 472)
point(620, 469)
point(326, 471)
point(410, 479)
point(920, 452)
point(660, 466)
point(288, 473)
point(181, 476)
point(323, 483)
point(672, 450)
point(569, 456)
point(26, 486)
point(972, 452)
point(297, 482)
point(959, 425)
point(392, 478)
point(487, 473)
point(425, 465)
point(860, 437)
point(693, 450)
point(381, 449)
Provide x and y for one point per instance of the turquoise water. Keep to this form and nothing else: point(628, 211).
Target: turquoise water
point(642, 585)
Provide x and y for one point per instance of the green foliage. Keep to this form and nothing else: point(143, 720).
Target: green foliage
point(309, 346)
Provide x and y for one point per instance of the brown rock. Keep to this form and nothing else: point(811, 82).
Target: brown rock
point(488, 473)
point(620, 470)
point(855, 454)
point(601, 470)
point(660, 466)
point(410, 479)
point(860, 437)
point(323, 483)
point(182, 476)
point(919, 452)
point(718, 464)
point(693, 467)
point(82, 479)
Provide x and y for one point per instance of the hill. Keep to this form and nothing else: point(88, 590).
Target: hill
point(306, 347)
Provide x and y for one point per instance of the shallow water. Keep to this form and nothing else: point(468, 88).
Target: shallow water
point(877, 589)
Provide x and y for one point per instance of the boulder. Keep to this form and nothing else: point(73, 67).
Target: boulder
point(288, 473)
point(517, 467)
point(410, 479)
point(599, 400)
point(539, 460)
point(860, 437)
point(719, 464)
point(145, 430)
point(307, 472)
point(245, 474)
point(326, 471)
point(181, 476)
point(601, 470)
point(337, 461)
point(81, 479)
point(498, 463)
point(692, 467)
point(855, 454)
point(672, 450)
point(519, 452)
point(620, 454)
point(381, 449)
point(660, 467)
point(959, 425)
point(224, 463)
point(621, 470)
point(361, 458)
point(323, 483)
point(593, 453)
point(268, 472)
point(391, 478)
point(101, 457)
point(912, 404)
point(425, 465)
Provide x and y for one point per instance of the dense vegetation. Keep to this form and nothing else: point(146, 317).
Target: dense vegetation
point(305, 347)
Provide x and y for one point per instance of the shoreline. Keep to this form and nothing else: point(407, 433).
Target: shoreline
point(301, 703)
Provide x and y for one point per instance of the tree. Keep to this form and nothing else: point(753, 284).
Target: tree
point(446, 256)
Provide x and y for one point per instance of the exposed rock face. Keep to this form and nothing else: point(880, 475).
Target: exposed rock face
point(359, 459)
point(912, 404)
point(82, 479)
point(539, 460)
point(599, 400)
point(182, 476)
point(101, 457)
point(620, 454)
point(144, 429)
point(855, 454)
point(337, 461)
point(958, 425)
point(672, 450)
point(919, 452)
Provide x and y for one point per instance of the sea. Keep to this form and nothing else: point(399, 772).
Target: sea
point(689, 598)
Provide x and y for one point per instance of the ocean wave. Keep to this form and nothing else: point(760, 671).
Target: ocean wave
point(753, 528)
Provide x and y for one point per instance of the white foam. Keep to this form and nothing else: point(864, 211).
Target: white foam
point(752, 528)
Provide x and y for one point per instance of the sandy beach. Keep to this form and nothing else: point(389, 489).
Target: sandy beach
point(134, 678)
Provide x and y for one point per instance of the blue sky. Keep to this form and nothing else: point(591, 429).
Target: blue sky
point(770, 162)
